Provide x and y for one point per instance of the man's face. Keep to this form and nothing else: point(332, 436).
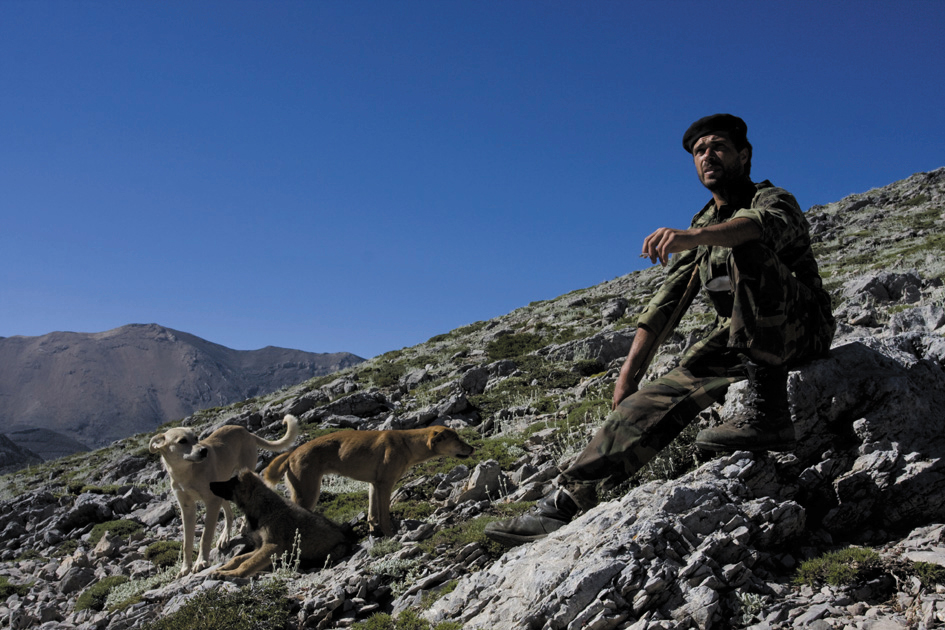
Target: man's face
point(718, 163)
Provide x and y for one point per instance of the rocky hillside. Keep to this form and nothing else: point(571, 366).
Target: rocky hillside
point(95, 388)
point(733, 541)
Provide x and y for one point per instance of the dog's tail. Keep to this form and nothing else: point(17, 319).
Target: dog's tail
point(276, 469)
point(285, 442)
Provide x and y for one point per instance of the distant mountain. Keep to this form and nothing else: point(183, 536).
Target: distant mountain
point(13, 457)
point(99, 387)
point(51, 444)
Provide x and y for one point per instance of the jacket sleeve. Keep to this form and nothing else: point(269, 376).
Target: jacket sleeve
point(778, 215)
point(666, 300)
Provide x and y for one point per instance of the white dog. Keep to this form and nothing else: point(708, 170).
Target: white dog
point(192, 465)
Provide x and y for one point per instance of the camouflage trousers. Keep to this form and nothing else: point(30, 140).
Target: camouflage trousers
point(766, 310)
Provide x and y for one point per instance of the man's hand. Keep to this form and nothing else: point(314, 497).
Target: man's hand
point(665, 241)
point(628, 379)
point(622, 389)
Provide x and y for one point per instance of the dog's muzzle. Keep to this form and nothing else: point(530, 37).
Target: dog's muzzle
point(197, 455)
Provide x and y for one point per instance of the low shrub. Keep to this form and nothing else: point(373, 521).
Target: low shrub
point(344, 506)
point(7, 588)
point(838, 568)
point(121, 528)
point(407, 620)
point(95, 596)
point(385, 547)
point(164, 553)
point(261, 605)
point(511, 346)
point(386, 375)
point(449, 540)
point(929, 574)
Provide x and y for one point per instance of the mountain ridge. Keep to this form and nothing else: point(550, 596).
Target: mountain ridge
point(99, 387)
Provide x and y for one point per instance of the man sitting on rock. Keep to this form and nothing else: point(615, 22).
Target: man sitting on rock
point(749, 248)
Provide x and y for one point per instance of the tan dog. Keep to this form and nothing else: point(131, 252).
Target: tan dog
point(377, 457)
point(280, 525)
point(192, 465)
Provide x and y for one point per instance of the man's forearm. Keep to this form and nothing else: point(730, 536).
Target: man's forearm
point(639, 351)
point(665, 241)
point(636, 360)
point(728, 234)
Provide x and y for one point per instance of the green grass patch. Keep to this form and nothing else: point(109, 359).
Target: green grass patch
point(122, 528)
point(469, 329)
point(78, 488)
point(933, 243)
point(343, 506)
point(511, 392)
point(384, 547)
point(515, 345)
point(262, 605)
point(678, 458)
point(66, 548)
point(93, 598)
point(164, 553)
point(848, 566)
point(385, 375)
point(450, 540)
point(429, 597)
point(547, 374)
point(929, 574)
point(7, 588)
point(917, 200)
point(407, 620)
point(413, 510)
point(309, 432)
point(29, 554)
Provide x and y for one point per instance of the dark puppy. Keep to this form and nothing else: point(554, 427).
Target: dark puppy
point(278, 523)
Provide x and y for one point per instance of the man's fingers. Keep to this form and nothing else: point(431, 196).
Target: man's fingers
point(652, 246)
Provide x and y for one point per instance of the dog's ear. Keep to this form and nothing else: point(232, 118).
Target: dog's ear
point(157, 443)
point(436, 435)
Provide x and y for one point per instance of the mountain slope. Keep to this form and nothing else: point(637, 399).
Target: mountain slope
point(688, 543)
point(99, 387)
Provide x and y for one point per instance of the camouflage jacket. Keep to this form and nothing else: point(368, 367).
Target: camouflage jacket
point(784, 229)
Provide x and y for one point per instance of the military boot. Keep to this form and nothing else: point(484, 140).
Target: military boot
point(551, 513)
point(763, 423)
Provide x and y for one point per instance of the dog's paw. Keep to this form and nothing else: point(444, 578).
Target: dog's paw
point(230, 576)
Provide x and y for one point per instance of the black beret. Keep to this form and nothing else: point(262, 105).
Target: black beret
point(734, 126)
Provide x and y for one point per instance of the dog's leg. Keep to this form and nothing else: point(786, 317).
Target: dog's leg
point(209, 530)
point(228, 523)
point(373, 518)
point(188, 514)
point(258, 560)
point(382, 493)
point(308, 497)
point(234, 562)
point(294, 484)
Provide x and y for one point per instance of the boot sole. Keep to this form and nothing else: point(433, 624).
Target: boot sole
point(718, 447)
point(512, 540)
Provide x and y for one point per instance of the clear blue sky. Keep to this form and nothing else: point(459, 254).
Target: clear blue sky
point(361, 176)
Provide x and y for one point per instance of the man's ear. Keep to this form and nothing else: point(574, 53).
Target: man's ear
point(744, 155)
